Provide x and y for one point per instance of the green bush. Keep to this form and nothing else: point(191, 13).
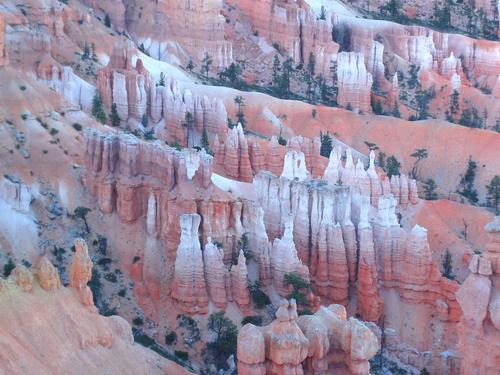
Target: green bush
point(226, 334)
point(182, 355)
point(8, 268)
point(77, 126)
point(138, 321)
point(256, 320)
point(170, 338)
point(260, 298)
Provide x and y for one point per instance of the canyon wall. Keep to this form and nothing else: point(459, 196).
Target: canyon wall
point(197, 27)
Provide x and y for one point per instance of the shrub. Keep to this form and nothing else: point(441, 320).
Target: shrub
point(111, 277)
point(53, 131)
point(326, 144)
point(493, 194)
point(260, 298)
point(170, 338)
point(105, 262)
point(122, 292)
point(137, 321)
point(77, 126)
point(136, 259)
point(24, 116)
point(23, 88)
point(182, 355)
point(393, 166)
point(254, 319)
point(467, 182)
point(8, 268)
point(193, 332)
point(298, 284)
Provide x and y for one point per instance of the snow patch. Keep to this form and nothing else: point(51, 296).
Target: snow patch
point(238, 188)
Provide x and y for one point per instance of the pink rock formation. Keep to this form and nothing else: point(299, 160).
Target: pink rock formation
point(23, 278)
point(354, 82)
point(232, 158)
point(295, 166)
point(325, 342)
point(47, 275)
point(189, 287)
point(370, 304)
point(215, 274)
point(239, 283)
point(4, 60)
point(284, 259)
point(123, 84)
point(80, 274)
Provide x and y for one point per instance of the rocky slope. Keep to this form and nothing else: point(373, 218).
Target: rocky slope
point(51, 329)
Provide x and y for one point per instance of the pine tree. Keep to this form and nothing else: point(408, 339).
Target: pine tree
point(240, 102)
point(413, 80)
point(107, 20)
point(393, 166)
point(467, 181)
point(447, 266)
point(429, 189)
point(326, 145)
point(161, 82)
point(419, 154)
point(86, 52)
point(145, 120)
point(454, 103)
point(189, 125)
point(205, 64)
point(113, 116)
point(98, 108)
point(493, 194)
point(276, 71)
point(395, 110)
point(311, 65)
point(190, 65)
point(204, 140)
point(322, 14)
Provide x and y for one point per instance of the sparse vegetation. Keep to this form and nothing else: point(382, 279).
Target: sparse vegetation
point(8, 268)
point(430, 189)
point(493, 194)
point(171, 338)
point(98, 108)
point(256, 320)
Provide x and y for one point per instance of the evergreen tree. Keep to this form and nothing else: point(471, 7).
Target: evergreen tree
point(429, 189)
point(286, 77)
point(419, 154)
point(381, 160)
point(81, 213)
point(376, 106)
point(86, 51)
point(395, 110)
point(113, 116)
point(454, 103)
point(240, 102)
point(204, 140)
point(161, 82)
point(393, 166)
point(205, 64)
point(447, 266)
point(226, 334)
point(232, 75)
point(190, 65)
point(326, 144)
point(189, 125)
point(93, 54)
point(493, 194)
point(107, 20)
point(145, 120)
point(322, 13)
point(413, 79)
point(467, 182)
point(276, 71)
point(311, 65)
point(98, 108)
